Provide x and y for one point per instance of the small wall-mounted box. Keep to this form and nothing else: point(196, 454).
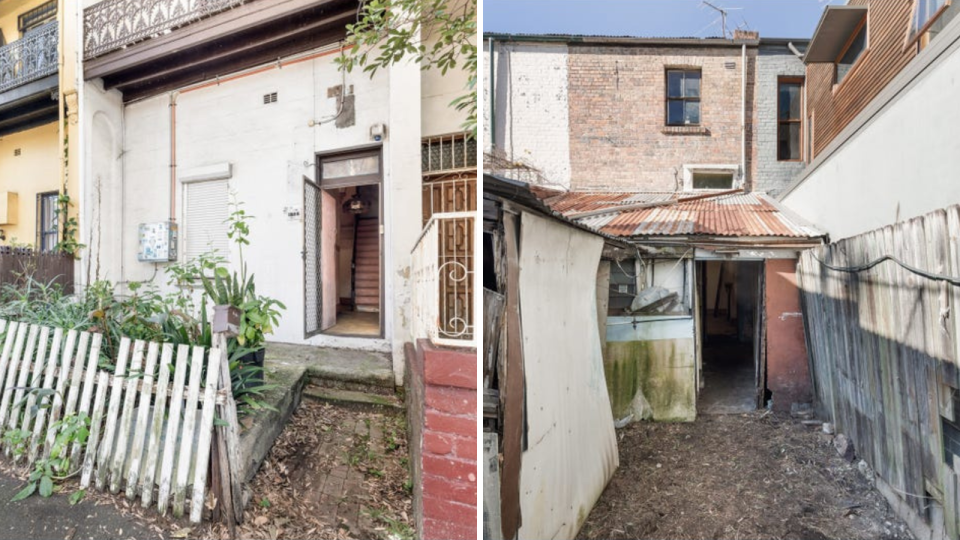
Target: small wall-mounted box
point(158, 242)
point(8, 208)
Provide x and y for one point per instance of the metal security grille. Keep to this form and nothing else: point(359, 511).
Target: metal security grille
point(448, 153)
point(311, 257)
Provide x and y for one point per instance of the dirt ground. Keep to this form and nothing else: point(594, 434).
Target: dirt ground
point(756, 475)
point(334, 473)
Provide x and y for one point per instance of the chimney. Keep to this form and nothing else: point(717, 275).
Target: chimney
point(745, 35)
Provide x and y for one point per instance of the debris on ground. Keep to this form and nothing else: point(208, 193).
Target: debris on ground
point(756, 475)
point(334, 472)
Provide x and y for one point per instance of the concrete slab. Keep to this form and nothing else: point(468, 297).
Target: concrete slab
point(365, 367)
point(352, 398)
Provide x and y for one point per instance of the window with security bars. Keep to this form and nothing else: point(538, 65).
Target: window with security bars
point(37, 17)
point(448, 153)
point(47, 231)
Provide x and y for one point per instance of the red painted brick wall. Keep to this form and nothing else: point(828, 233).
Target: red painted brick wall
point(446, 454)
point(788, 372)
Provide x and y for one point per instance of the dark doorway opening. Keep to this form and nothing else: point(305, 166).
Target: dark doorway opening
point(730, 322)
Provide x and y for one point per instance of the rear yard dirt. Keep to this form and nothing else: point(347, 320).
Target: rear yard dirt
point(756, 475)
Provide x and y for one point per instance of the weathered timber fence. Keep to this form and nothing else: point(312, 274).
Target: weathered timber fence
point(151, 420)
point(17, 264)
point(884, 344)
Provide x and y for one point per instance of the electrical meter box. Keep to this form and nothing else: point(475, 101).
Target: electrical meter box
point(158, 242)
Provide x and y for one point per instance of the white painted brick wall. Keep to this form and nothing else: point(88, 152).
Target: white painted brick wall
point(772, 176)
point(532, 114)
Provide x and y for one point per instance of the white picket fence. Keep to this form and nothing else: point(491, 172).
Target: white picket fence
point(150, 438)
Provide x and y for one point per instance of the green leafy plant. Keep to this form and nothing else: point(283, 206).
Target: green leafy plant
point(68, 244)
point(438, 34)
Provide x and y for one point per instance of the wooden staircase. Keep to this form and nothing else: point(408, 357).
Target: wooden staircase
point(366, 260)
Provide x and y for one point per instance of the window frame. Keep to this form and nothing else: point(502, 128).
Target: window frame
point(43, 234)
point(864, 26)
point(684, 99)
point(915, 40)
point(798, 80)
point(350, 181)
point(690, 169)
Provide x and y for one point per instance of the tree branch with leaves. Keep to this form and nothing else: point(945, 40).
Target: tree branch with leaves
point(438, 34)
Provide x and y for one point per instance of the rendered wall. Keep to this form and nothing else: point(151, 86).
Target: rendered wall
point(567, 406)
point(36, 170)
point(900, 165)
point(788, 372)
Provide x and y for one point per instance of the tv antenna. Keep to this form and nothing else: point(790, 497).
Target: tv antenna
point(723, 14)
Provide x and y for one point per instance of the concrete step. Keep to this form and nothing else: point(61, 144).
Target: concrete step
point(353, 398)
point(346, 365)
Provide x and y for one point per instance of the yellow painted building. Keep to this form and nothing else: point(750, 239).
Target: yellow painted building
point(38, 118)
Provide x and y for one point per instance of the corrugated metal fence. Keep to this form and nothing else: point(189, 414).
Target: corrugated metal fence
point(883, 343)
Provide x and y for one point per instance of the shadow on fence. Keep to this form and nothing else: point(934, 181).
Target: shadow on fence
point(16, 264)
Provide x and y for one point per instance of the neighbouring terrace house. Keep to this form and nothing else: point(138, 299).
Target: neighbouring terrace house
point(363, 192)
point(881, 301)
point(38, 119)
point(671, 145)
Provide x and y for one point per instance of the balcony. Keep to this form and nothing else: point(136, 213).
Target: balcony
point(144, 48)
point(28, 80)
point(444, 285)
point(114, 24)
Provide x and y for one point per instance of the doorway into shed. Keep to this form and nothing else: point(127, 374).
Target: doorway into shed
point(343, 248)
point(730, 299)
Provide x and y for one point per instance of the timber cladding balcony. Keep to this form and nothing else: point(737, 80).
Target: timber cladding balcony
point(147, 48)
point(29, 59)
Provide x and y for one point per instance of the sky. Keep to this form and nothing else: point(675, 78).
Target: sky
point(653, 18)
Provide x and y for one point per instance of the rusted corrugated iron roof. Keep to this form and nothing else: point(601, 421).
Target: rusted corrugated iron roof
point(732, 214)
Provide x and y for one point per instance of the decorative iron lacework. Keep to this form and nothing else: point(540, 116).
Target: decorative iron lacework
point(30, 58)
point(112, 24)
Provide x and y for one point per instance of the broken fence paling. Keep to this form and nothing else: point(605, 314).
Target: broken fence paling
point(143, 433)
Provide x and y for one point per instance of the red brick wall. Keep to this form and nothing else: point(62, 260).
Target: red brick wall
point(788, 372)
point(446, 454)
point(618, 133)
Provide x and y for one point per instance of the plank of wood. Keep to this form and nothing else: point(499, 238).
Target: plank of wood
point(10, 379)
point(25, 369)
point(206, 436)
point(511, 385)
point(228, 443)
point(73, 394)
point(132, 473)
point(167, 464)
point(8, 346)
point(189, 424)
point(124, 428)
point(49, 380)
point(156, 427)
point(89, 381)
point(113, 411)
point(96, 421)
point(63, 376)
point(30, 412)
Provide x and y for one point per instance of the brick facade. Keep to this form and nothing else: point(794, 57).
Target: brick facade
point(442, 413)
point(773, 62)
point(618, 134)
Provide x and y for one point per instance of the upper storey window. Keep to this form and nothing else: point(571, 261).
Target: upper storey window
point(683, 97)
point(852, 52)
point(929, 18)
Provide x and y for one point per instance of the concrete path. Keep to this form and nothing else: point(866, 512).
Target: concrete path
point(55, 518)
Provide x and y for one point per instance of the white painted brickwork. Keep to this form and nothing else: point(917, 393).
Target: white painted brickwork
point(773, 175)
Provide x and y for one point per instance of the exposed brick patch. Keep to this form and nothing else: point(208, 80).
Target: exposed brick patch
point(452, 400)
point(448, 367)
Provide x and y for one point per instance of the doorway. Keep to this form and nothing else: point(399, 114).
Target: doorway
point(343, 248)
point(730, 303)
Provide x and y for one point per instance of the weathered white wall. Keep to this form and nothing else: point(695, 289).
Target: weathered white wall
point(271, 148)
point(532, 116)
point(572, 451)
point(901, 165)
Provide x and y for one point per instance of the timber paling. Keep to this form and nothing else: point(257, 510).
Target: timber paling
point(884, 345)
point(149, 436)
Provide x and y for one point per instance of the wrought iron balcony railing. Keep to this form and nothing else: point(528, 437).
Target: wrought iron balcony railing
point(443, 274)
point(30, 58)
point(112, 24)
